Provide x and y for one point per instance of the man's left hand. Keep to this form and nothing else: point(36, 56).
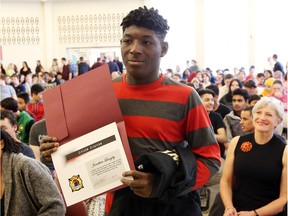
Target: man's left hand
point(142, 185)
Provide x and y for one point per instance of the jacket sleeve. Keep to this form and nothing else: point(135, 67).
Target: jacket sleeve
point(42, 189)
point(174, 171)
point(200, 137)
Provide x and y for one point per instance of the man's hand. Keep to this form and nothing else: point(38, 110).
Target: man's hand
point(47, 146)
point(142, 185)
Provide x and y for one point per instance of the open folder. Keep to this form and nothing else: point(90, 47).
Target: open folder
point(83, 105)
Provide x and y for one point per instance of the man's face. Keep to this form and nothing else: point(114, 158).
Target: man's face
point(246, 121)
point(37, 97)
point(141, 51)
point(8, 127)
point(208, 102)
point(238, 103)
point(21, 104)
point(15, 80)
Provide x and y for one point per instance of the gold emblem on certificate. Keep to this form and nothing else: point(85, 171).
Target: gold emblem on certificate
point(75, 183)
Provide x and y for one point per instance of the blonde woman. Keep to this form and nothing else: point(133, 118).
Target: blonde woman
point(254, 180)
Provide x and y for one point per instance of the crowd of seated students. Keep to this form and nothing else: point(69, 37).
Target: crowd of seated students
point(238, 94)
point(225, 93)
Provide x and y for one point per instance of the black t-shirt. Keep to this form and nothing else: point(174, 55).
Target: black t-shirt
point(217, 122)
point(223, 110)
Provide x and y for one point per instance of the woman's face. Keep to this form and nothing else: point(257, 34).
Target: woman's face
point(234, 85)
point(219, 78)
point(267, 74)
point(265, 119)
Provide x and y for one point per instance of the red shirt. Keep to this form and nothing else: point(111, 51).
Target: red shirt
point(37, 109)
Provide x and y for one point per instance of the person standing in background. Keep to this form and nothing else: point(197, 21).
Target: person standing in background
point(277, 65)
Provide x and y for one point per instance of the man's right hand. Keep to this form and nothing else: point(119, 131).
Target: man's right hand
point(48, 145)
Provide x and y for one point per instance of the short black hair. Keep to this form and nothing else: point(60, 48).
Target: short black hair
point(147, 18)
point(206, 91)
point(213, 88)
point(10, 104)
point(9, 115)
point(37, 88)
point(25, 96)
point(250, 84)
point(248, 108)
point(253, 97)
point(10, 145)
point(241, 92)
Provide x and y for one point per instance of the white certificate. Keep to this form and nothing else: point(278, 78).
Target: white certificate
point(91, 164)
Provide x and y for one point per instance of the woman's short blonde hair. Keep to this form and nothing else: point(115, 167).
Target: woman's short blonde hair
point(271, 102)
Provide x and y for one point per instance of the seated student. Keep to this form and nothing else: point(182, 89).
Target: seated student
point(37, 133)
point(207, 97)
point(223, 90)
point(227, 98)
point(232, 120)
point(19, 87)
point(23, 99)
point(36, 105)
point(8, 123)
point(53, 79)
point(251, 87)
point(252, 100)
point(25, 121)
point(220, 108)
point(27, 187)
point(246, 120)
point(268, 87)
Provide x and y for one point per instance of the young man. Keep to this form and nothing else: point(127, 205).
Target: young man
point(36, 105)
point(23, 99)
point(66, 74)
point(25, 121)
point(162, 118)
point(220, 108)
point(232, 120)
point(208, 100)
point(207, 97)
point(246, 120)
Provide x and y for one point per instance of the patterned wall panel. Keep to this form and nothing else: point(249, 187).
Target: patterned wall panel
point(89, 28)
point(19, 31)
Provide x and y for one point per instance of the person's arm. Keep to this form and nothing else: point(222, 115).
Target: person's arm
point(13, 92)
point(228, 129)
point(201, 139)
point(36, 150)
point(227, 178)
point(275, 207)
point(43, 189)
point(221, 135)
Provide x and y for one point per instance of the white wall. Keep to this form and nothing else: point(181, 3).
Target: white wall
point(218, 34)
point(48, 13)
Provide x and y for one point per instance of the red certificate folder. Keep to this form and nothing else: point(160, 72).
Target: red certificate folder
point(82, 105)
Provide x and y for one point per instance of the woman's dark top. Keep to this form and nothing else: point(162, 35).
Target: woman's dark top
point(257, 172)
